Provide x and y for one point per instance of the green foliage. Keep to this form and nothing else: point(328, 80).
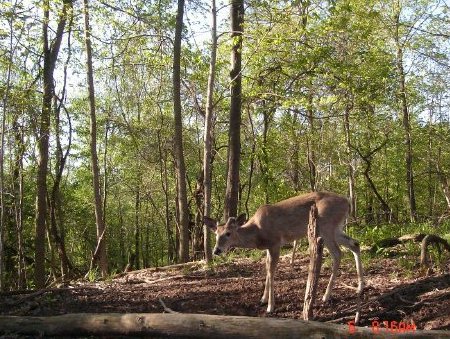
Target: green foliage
point(93, 275)
point(408, 253)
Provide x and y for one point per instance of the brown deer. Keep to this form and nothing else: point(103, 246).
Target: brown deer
point(273, 225)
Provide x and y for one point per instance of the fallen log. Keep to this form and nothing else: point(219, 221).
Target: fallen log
point(192, 325)
point(391, 242)
point(428, 240)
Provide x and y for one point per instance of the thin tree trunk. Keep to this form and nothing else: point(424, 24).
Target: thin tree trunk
point(100, 255)
point(165, 185)
point(295, 159)
point(122, 234)
point(5, 103)
point(2, 181)
point(405, 117)
point(105, 171)
point(252, 161)
point(58, 233)
point(50, 54)
point(208, 134)
point(351, 171)
point(179, 153)
point(137, 229)
point(137, 205)
point(367, 158)
point(264, 158)
point(234, 132)
point(311, 155)
point(443, 180)
point(55, 198)
point(18, 199)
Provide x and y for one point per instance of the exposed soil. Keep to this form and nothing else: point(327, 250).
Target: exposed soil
point(235, 288)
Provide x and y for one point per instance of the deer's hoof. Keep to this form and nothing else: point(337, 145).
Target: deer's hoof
point(270, 309)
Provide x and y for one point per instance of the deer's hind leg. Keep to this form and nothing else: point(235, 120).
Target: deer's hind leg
point(336, 255)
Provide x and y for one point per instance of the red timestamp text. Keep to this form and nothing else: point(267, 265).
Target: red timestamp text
point(386, 326)
point(392, 326)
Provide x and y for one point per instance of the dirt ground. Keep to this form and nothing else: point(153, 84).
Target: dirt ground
point(235, 288)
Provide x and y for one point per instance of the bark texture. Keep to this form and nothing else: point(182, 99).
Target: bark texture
point(234, 133)
point(183, 210)
point(190, 326)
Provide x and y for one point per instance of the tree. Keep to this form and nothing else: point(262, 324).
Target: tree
point(405, 112)
point(100, 254)
point(234, 131)
point(208, 132)
point(50, 54)
point(5, 103)
point(183, 210)
point(56, 228)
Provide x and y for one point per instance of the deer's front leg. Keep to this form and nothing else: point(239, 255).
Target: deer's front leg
point(265, 297)
point(271, 265)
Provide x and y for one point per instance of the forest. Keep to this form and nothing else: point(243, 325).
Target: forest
point(123, 123)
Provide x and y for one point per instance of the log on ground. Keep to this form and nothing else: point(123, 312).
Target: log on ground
point(189, 326)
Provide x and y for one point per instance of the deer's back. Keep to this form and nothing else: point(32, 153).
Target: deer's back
point(289, 218)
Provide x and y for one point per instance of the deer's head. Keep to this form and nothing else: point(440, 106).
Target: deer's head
point(226, 234)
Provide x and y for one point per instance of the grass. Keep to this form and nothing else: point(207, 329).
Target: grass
point(93, 275)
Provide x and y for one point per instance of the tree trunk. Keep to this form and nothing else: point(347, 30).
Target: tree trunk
point(5, 103)
point(208, 134)
point(100, 254)
point(164, 187)
point(55, 197)
point(351, 171)
point(178, 138)
point(268, 114)
point(2, 181)
point(405, 118)
point(137, 228)
point(386, 209)
point(55, 204)
point(315, 263)
point(443, 179)
point(234, 132)
point(252, 161)
point(367, 158)
point(50, 54)
point(137, 204)
point(311, 155)
point(196, 225)
point(18, 198)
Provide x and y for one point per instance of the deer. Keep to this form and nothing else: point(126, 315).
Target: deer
point(273, 225)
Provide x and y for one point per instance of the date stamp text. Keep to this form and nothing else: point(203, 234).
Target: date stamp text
point(386, 326)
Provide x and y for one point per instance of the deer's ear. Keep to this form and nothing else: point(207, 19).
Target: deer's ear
point(241, 219)
point(211, 223)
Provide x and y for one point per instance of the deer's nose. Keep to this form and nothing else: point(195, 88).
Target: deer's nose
point(217, 251)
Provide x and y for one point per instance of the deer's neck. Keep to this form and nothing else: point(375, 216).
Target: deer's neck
point(249, 236)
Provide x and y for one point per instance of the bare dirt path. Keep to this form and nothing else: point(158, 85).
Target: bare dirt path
point(235, 288)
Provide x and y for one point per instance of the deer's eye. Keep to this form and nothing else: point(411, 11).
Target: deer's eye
point(227, 234)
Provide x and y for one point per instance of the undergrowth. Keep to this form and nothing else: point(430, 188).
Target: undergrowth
point(407, 254)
